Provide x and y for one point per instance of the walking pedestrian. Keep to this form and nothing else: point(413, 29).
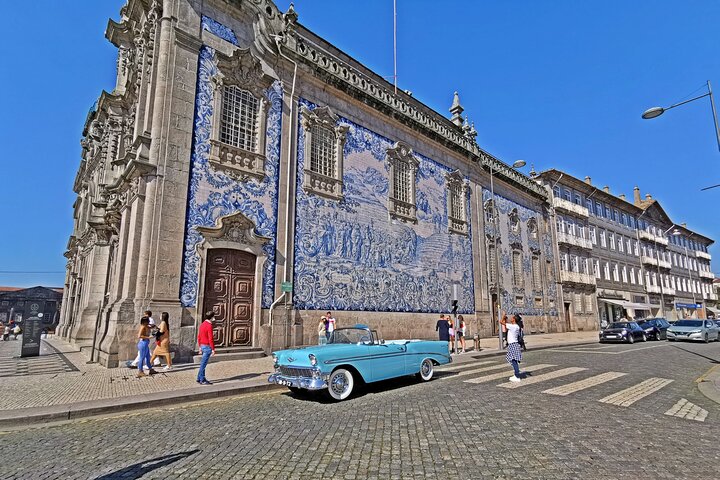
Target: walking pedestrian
point(207, 346)
point(461, 333)
point(144, 347)
point(135, 362)
point(162, 341)
point(322, 331)
point(443, 328)
point(330, 327)
point(521, 324)
point(514, 354)
point(503, 325)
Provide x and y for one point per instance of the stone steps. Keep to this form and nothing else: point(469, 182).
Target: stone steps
point(237, 353)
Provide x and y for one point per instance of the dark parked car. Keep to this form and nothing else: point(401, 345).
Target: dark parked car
point(655, 328)
point(623, 332)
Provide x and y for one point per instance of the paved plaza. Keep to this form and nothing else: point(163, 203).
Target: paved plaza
point(586, 411)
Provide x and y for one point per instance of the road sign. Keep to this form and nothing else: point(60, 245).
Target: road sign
point(286, 286)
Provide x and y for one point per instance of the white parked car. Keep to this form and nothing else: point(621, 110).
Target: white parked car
point(699, 330)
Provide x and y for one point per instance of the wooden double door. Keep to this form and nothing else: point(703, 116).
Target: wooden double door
point(229, 292)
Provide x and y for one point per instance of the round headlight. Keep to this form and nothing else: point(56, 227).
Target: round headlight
point(313, 360)
point(275, 359)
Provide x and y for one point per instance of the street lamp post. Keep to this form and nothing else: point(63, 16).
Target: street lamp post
point(496, 313)
point(657, 111)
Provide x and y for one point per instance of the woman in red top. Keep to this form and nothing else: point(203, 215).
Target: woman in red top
point(207, 346)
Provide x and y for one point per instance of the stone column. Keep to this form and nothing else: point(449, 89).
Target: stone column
point(94, 292)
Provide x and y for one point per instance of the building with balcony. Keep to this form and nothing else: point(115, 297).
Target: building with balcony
point(634, 254)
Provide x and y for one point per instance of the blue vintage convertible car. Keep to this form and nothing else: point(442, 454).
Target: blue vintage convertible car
point(352, 355)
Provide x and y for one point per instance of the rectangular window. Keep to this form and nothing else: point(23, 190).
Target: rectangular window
point(593, 237)
point(624, 274)
point(578, 199)
point(612, 241)
point(402, 182)
point(322, 151)
point(537, 278)
point(603, 239)
point(596, 268)
point(632, 276)
point(589, 307)
point(578, 301)
point(492, 263)
point(606, 270)
point(629, 247)
point(238, 126)
point(621, 244)
point(624, 219)
point(517, 268)
point(538, 302)
point(616, 273)
point(598, 209)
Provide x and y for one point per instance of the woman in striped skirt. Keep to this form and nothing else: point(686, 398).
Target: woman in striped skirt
point(514, 353)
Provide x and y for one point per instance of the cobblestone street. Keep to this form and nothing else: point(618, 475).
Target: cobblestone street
point(595, 411)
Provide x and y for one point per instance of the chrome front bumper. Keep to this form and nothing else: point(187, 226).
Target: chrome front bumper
point(315, 383)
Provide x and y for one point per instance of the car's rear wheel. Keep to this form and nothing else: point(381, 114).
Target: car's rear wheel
point(426, 370)
point(707, 339)
point(340, 384)
point(631, 338)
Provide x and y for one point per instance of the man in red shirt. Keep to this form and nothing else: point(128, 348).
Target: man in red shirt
point(207, 346)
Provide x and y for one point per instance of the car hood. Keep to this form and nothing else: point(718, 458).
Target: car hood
point(683, 329)
point(300, 358)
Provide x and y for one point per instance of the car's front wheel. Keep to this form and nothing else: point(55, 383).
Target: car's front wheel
point(644, 338)
point(426, 370)
point(340, 384)
point(707, 338)
point(631, 338)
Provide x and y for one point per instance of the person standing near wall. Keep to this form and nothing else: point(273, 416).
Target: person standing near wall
point(162, 340)
point(207, 346)
point(514, 354)
point(443, 328)
point(521, 324)
point(135, 362)
point(144, 347)
point(322, 331)
point(461, 333)
point(330, 324)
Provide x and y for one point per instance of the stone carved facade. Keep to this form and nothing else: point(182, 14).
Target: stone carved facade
point(160, 188)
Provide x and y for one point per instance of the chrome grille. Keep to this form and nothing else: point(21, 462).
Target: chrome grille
point(297, 371)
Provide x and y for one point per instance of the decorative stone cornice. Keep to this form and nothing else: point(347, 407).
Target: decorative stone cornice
point(380, 95)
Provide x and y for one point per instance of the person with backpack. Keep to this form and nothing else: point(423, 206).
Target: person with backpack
point(514, 354)
point(521, 339)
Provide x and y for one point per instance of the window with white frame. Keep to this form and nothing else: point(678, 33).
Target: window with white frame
point(606, 270)
point(635, 248)
point(616, 273)
point(632, 275)
point(621, 244)
point(564, 262)
point(593, 237)
point(596, 268)
point(603, 239)
point(457, 203)
point(324, 144)
point(612, 241)
point(629, 246)
point(492, 263)
point(624, 274)
point(574, 267)
point(403, 167)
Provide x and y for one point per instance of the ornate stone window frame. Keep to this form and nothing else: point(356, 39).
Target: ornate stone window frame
point(401, 153)
point(457, 192)
point(316, 182)
point(532, 226)
point(244, 71)
point(514, 221)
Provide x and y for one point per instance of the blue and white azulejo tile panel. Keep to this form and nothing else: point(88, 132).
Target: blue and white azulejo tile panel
point(214, 194)
point(349, 255)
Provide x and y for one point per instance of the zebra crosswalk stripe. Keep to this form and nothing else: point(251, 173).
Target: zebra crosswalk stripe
point(463, 366)
point(541, 378)
point(498, 376)
point(583, 384)
point(625, 398)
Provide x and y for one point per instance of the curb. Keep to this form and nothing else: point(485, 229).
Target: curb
point(707, 384)
point(90, 408)
point(60, 413)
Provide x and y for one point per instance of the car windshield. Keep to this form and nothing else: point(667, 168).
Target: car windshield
point(350, 335)
point(619, 325)
point(689, 323)
point(649, 323)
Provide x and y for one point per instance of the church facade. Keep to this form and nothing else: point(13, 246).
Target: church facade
point(244, 165)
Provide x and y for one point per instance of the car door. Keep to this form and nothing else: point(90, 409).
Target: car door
point(712, 329)
point(387, 360)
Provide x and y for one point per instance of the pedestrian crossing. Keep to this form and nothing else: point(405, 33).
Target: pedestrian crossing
point(485, 371)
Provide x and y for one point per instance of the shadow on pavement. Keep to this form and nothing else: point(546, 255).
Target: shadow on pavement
point(137, 470)
point(712, 360)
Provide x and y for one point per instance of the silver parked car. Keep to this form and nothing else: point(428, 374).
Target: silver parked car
point(699, 330)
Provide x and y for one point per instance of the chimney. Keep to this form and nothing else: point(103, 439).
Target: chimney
point(648, 196)
point(636, 194)
point(684, 225)
point(588, 180)
point(606, 189)
point(622, 196)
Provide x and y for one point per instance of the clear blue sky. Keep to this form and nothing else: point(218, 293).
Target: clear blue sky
point(558, 83)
